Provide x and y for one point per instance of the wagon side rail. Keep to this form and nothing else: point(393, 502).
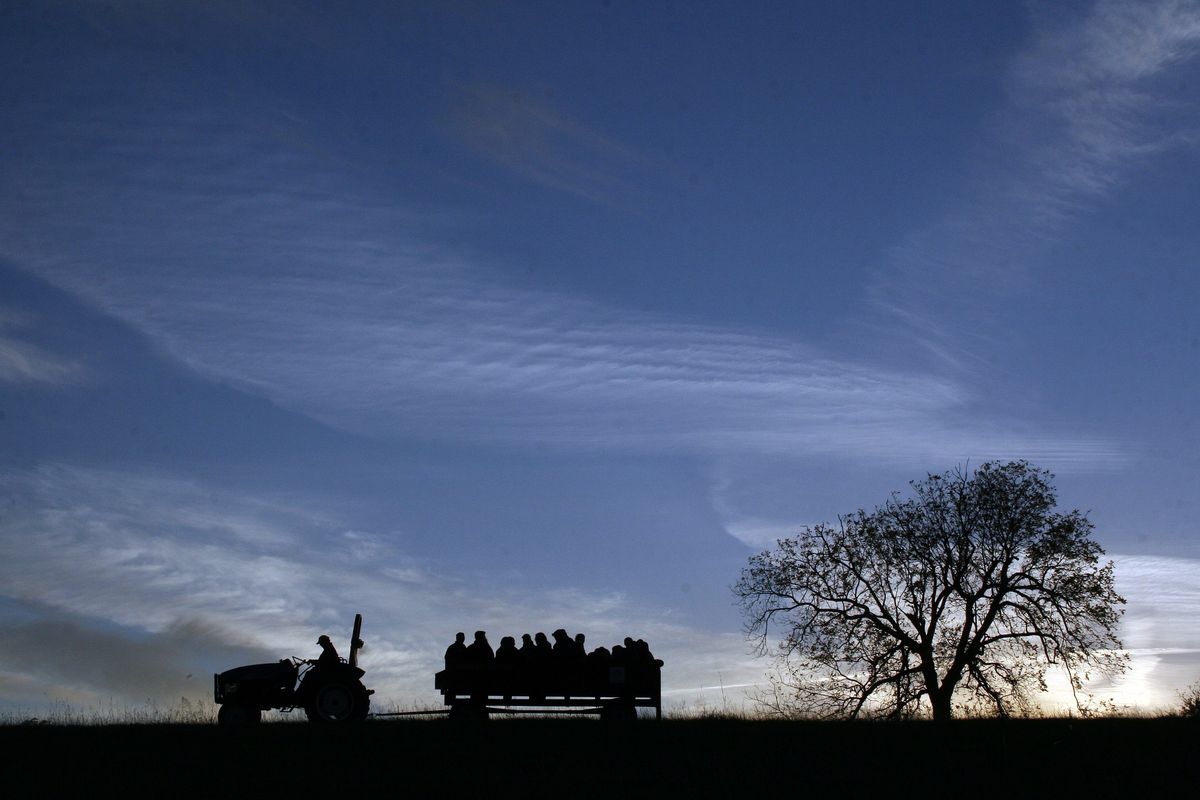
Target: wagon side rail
point(573, 691)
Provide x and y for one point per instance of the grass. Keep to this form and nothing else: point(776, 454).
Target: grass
point(61, 713)
point(579, 758)
point(204, 712)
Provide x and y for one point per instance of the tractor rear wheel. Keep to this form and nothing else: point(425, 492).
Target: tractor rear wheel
point(332, 702)
point(362, 703)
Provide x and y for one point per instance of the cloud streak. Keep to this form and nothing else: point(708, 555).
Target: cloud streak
point(1088, 99)
point(22, 362)
point(1092, 86)
point(25, 363)
point(528, 136)
point(314, 296)
point(261, 265)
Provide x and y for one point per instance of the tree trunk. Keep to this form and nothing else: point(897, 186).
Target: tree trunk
point(940, 700)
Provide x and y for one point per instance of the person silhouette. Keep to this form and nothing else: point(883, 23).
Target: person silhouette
point(645, 655)
point(563, 645)
point(507, 653)
point(329, 656)
point(597, 663)
point(456, 654)
point(580, 647)
point(479, 652)
point(545, 650)
point(528, 648)
point(618, 656)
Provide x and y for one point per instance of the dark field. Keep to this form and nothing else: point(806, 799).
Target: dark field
point(587, 758)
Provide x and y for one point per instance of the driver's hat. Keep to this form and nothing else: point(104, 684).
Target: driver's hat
point(322, 638)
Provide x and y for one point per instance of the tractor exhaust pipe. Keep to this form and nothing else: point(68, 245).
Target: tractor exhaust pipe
point(355, 642)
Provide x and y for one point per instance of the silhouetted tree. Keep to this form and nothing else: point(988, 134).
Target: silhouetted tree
point(964, 594)
point(1189, 701)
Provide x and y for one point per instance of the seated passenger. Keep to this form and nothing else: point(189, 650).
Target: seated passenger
point(507, 654)
point(479, 652)
point(456, 654)
point(528, 648)
point(599, 656)
point(645, 656)
point(564, 646)
point(580, 648)
point(545, 650)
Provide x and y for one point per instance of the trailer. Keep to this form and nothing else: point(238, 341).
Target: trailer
point(611, 691)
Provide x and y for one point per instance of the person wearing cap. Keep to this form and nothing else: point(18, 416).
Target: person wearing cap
point(329, 656)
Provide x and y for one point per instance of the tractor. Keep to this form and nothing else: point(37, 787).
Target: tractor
point(327, 692)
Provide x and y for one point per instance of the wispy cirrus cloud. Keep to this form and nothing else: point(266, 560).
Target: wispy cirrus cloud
point(1087, 101)
point(291, 284)
point(1090, 98)
point(23, 362)
point(525, 133)
point(257, 263)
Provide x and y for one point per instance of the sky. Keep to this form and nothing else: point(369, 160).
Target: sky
point(474, 315)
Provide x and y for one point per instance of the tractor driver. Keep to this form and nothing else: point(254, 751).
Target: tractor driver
point(329, 656)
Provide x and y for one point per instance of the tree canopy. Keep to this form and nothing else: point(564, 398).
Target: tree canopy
point(962, 595)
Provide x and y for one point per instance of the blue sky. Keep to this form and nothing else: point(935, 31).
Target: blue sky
point(468, 315)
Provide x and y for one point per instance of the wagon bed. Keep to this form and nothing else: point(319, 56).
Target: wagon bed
point(615, 692)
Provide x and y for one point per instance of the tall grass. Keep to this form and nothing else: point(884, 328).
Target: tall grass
point(151, 712)
point(203, 712)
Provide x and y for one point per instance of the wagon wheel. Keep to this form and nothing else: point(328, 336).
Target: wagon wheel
point(620, 711)
point(468, 711)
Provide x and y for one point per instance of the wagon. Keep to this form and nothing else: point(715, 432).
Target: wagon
point(612, 691)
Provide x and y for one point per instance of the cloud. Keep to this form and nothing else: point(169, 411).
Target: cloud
point(258, 264)
point(1160, 629)
point(128, 582)
point(523, 132)
point(22, 362)
point(1090, 88)
point(60, 655)
point(1163, 596)
point(752, 530)
point(296, 289)
point(1088, 99)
